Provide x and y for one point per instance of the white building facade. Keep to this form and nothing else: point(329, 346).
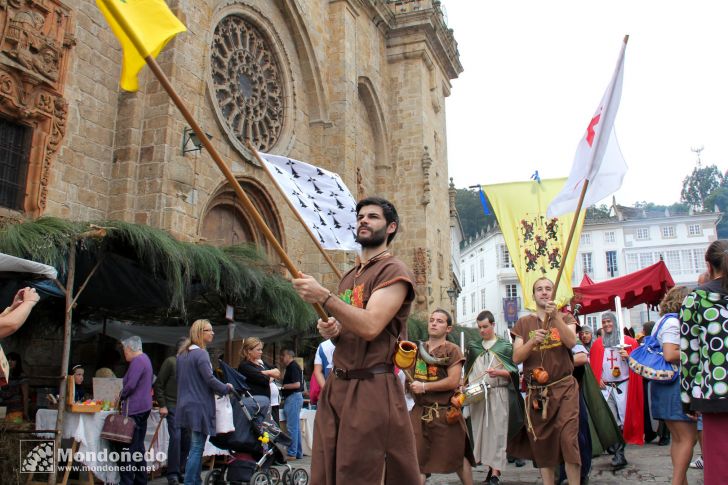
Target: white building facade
point(629, 240)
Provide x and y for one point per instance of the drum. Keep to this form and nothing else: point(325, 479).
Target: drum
point(474, 393)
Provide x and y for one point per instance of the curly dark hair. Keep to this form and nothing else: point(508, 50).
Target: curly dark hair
point(672, 301)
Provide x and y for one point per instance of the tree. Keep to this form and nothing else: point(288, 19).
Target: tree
point(699, 185)
point(719, 198)
point(674, 208)
point(597, 212)
point(472, 216)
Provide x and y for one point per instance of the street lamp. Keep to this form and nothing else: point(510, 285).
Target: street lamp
point(189, 137)
point(451, 293)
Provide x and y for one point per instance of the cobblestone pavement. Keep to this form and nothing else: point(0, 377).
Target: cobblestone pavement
point(649, 463)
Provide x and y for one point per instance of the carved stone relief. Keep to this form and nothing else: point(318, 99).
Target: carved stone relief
point(36, 38)
point(247, 86)
point(420, 266)
point(426, 165)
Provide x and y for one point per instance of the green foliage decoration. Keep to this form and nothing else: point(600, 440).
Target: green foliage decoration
point(240, 275)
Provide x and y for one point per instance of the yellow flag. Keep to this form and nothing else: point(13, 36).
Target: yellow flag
point(150, 22)
point(536, 243)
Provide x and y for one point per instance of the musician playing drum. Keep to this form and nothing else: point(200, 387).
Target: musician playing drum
point(490, 378)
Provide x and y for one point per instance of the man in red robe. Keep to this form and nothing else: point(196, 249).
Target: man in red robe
point(621, 388)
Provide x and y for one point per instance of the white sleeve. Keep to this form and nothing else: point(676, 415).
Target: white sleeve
point(578, 349)
point(670, 332)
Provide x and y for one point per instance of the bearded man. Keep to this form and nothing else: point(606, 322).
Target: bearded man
point(621, 388)
point(362, 431)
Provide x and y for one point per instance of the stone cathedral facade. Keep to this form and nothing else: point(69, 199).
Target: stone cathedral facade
point(354, 86)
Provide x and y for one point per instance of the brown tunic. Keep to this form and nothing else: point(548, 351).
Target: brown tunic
point(556, 435)
point(440, 446)
point(362, 427)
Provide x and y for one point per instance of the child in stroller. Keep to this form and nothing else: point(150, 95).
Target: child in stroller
point(256, 444)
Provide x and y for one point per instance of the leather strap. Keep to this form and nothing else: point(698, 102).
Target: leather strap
point(367, 373)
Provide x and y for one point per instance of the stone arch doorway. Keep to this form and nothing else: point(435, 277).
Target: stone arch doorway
point(225, 221)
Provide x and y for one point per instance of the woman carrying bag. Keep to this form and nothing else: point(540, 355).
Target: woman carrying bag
point(196, 389)
point(704, 333)
point(665, 397)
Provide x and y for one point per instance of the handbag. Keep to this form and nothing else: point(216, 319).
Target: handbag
point(118, 428)
point(647, 359)
point(224, 422)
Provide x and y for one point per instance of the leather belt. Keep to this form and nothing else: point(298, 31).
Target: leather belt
point(367, 373)
point(615, 383)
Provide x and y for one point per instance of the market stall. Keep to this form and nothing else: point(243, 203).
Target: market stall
point(647, 286)
point(120, 269)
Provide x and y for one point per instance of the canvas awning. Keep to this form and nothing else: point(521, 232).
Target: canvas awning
point(16, 266)
point(586, 280)
point(168, 335)
point(647, 285)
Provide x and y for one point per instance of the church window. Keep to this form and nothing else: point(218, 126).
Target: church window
point(247, 85)
point(14, 155)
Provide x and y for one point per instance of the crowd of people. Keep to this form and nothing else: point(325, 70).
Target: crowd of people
point(185, 389)
point(551, 391)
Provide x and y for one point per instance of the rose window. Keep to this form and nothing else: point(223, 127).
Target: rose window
point(246, 84)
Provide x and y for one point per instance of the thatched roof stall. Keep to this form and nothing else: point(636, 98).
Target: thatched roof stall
point(144, 274)
point(127, 270)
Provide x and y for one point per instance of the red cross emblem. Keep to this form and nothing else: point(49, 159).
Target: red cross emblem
point(612, 359)
point(590, 131)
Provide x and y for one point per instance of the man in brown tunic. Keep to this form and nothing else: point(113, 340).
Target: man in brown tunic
point(362, 430)
point(442, 447)
point(552, 406)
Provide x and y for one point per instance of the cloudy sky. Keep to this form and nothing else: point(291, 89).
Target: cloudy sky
point(535, 72)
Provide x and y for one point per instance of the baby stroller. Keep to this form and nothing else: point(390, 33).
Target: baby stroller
point(256, 445)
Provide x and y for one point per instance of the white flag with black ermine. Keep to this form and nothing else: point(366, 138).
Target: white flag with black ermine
point(320, 197)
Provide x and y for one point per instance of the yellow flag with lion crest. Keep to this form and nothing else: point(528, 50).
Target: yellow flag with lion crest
point(535, 242)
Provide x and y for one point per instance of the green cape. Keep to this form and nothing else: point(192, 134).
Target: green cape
point(602, 426)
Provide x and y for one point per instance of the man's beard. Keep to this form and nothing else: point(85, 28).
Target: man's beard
point(375, 239)
point(611, 339)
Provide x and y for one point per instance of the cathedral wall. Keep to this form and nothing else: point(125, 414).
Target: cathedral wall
point(355, 100)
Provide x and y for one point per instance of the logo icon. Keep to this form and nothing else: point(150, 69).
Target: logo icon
point(37, 456)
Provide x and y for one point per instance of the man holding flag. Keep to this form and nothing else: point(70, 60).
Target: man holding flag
point(543, 343)
point(362, 431)
point(535, 238)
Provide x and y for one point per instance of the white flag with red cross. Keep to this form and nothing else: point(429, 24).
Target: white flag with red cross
point(598, 158)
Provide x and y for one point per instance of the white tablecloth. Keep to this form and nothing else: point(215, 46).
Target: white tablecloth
point(86, 429)
point(307, 418)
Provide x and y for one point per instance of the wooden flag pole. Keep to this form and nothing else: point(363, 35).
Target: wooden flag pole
point(571, 235)
point(295, 212)
point(244, 199)
point(547, 322)
point(599, 141)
